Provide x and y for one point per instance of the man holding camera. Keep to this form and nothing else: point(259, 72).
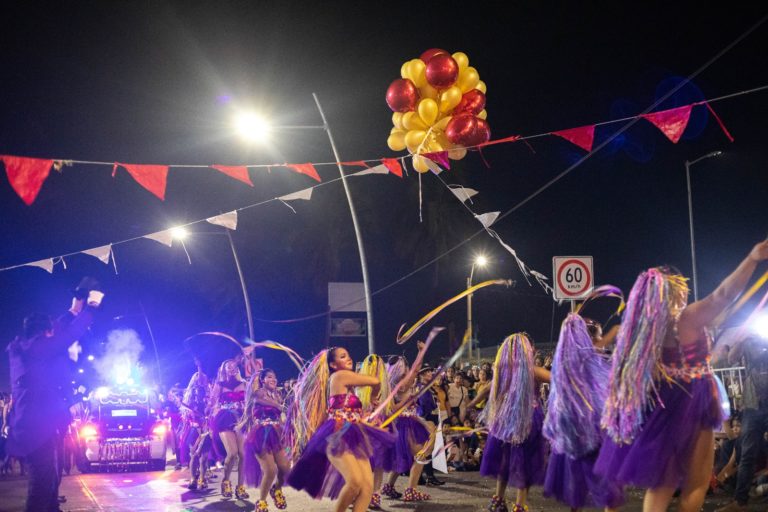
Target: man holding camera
point(39, 409)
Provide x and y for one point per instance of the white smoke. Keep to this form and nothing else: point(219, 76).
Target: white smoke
point(119, 364)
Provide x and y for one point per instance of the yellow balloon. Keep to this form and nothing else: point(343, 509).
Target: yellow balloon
point(442, 123)
point(420, 164)
point(442, 139)
point(412, 121)
point(449, 98)
point(428, 92)
point(483, 114)
point(468, 79)
point(481, 87)
point(428, 111)
point(462, 60)
point(404, 69)
point(396, 140)
point(417, 72)
point(413, 139)
point(457, 154)
point(397, 120)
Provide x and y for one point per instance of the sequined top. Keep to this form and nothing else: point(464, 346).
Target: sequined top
point(345, 407)
point(688, 362)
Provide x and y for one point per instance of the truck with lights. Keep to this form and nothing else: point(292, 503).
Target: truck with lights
point(122, 431)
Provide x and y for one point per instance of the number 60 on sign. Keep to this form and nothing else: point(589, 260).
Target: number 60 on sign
point(572, 276)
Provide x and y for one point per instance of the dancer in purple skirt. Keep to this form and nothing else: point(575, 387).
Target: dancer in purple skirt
point(663, 404)
point(228, 399)
point(572, 426)
point(335, 462)
point(262, 429)
point(413, 435)
point(515, 451)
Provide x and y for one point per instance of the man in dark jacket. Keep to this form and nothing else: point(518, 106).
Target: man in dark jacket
point(40, 410)
point(427, 408)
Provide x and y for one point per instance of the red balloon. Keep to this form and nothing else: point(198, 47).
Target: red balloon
point(442, 71)
point(431, 53)
point(472, 102)
point(402, 95)
point(483, 131)
point(462, 130)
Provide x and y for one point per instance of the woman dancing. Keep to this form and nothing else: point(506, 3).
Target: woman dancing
point(515, 450)
point(413, 435)
point(572, 425)
point(663, 403)
point(336, 459)
point(263, 444)
point(228, 397)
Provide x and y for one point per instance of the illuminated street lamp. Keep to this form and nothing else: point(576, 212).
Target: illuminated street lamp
point(255, 128)
point(479, 261)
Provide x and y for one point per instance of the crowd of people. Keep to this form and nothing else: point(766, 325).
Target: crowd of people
point(636, 406)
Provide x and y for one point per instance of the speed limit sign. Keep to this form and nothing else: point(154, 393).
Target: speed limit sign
point(573, 277)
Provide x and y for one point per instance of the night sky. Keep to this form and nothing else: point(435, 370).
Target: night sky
point(158, 82)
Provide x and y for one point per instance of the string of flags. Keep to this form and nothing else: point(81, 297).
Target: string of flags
point(27, 175)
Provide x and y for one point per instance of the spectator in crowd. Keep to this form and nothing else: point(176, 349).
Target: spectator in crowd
point(458, 398)
point(752, 351)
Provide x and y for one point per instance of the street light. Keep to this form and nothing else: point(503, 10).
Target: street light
point(690, 218)
point(479, 261)
point(255, 128)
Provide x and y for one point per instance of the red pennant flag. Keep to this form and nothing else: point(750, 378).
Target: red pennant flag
point(393, 165)
point(151, 177)
point(671, 122)
point(239, 172)
point(356, 163)
point(583, 136)
point(26, 175)
point(440, 157)
point(719, 121)
point(307, 169)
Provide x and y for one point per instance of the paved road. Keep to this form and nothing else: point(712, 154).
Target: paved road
point(165, 491)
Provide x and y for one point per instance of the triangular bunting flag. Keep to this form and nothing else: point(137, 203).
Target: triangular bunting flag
point(583, 136)
point(393, 165)
point(433, 166)
point(356, 163)
point(463, 193)
point(239, 172)
point(151, 177)
point(379, 169)
point(46, 265)
point(101, 253)
point(26, 175)
point(671, 122)
point(305, 194)
point(441, 157)
point(439, 462)
point(487, 219)
point(307, 169)
point(227, 220)
point(164, 237)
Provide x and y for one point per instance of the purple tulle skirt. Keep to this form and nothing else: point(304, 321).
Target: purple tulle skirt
point(410, 429)
point(260, 440)
point(660, 454)
point(313, 471)
point(385, 459)
point(225, 420)
point(573, 482)
point(523, 465)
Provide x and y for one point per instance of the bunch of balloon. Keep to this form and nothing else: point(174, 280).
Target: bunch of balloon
point(438, 105)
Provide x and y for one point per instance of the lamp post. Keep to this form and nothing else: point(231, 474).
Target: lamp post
point(690, 218)
point(258, 128)
point(479, 261)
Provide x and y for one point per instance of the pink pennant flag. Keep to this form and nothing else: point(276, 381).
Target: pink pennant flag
point(393, 165)
point(26, 175)
point(307, 169)
point(440, 157)
point(239, 172)
point(583, 136)
point(151, 177)
point(671, 122)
